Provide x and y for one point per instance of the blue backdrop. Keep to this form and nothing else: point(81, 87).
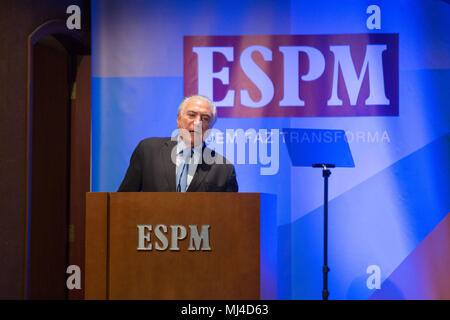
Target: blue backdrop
point(379, 211)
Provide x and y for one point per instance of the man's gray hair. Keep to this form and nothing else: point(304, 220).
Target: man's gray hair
point(199, 97)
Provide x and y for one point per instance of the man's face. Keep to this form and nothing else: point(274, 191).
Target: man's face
point(195, 119)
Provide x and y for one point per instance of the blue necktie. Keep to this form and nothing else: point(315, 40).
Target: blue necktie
point(182, 172)
point(182, 176)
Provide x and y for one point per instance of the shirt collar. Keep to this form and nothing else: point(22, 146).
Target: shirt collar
point(182, 146)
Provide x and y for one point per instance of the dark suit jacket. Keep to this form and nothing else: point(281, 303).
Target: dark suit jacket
point(151, 169)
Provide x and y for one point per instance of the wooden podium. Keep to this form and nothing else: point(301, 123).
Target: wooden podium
point(224, 264)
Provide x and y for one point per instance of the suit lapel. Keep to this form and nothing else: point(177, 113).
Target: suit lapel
point(169, 166)
point(199, 176)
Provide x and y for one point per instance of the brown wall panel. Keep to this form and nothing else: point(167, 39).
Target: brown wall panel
point(18, 19)
point(50, 173)
point(80, 167)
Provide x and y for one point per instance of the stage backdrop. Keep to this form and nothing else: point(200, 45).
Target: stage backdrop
point(372, 73)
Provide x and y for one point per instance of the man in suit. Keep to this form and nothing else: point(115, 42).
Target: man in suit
point(182, 163)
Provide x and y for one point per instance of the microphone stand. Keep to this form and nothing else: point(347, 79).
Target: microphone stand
point(325, 173)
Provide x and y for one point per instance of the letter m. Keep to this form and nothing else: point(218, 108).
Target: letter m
point(373, 62)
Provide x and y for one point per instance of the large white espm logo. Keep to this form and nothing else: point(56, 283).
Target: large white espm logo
point(197, 241)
